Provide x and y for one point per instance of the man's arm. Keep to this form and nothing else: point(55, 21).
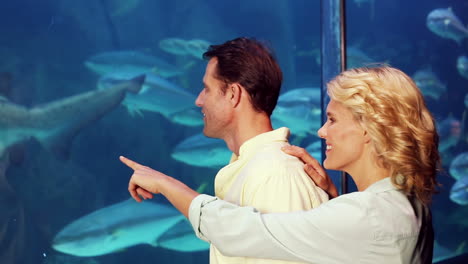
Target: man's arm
point(146, 181)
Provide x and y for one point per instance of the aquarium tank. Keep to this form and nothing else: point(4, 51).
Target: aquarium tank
point(83, 82)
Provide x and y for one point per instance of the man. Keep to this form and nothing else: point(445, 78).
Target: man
point(241, 87)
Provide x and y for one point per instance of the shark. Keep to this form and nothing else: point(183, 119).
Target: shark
point(299, 110)
point(125, 224)
point(54, 124)
point(158, 95)
point(201, 151)
point(136, 62)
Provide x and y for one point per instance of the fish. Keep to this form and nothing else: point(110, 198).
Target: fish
point(201, 151)
point(188, 117)
point(196, 47)
point(118, 8)
point(54, 124)
point(182, 47)
point(430, 85)
point(450, 133)
point(444, 23)
point(459, 191)
point(442, 253)
point(181, 238)
point(459, 166)
point(355, 58)
point(130, 62)
point(299, 110)
point(462, 66)
point(175, 46)
point(126, 224)
point(157, 95)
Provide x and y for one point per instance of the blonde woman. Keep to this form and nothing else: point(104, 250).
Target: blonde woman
point(380, 132)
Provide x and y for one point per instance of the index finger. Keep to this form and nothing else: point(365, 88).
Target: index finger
point(130, 163)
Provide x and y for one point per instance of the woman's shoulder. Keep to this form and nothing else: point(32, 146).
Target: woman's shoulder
point(389, 212)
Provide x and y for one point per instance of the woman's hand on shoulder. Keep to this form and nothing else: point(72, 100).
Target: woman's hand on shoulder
point(313, 168)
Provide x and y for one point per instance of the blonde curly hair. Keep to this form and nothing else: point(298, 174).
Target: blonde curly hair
point(389, 105)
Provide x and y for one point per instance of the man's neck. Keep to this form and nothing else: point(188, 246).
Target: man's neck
point(247, 128)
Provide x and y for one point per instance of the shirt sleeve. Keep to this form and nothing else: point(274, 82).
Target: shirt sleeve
point(312, 236)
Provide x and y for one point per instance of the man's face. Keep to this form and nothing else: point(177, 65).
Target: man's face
point(217, 113)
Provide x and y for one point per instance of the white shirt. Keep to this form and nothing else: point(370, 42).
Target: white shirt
point(378, 225)
point(265, 177)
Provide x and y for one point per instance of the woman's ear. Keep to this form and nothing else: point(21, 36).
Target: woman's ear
point(367, 137)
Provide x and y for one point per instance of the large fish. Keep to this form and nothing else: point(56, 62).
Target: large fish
point(196, 47)
point(130, 61)
point(462, 66)
point(459, 191)
point(444, 23)
point(181, 237)
point(299, 110)
point(188, 117)
point(127, 224)
point(176, 46)
point(158, 95)
point(355, 58)
point(442, 252)
point(450, 133)
point(182, 47)
point(56, 123)
point(459, 166)
point(429, 83)
point(201, 151)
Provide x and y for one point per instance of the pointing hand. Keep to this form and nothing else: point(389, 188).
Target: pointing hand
point(144, 180)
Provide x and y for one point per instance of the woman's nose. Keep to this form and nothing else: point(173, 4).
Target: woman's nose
point(322, 132)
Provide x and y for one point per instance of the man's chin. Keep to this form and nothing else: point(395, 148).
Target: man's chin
point(208, 134)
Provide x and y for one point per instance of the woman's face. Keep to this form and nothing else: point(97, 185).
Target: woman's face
point(345, 139)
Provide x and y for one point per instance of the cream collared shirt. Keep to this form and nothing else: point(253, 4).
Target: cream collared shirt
point(265, 177)
point(378, 225)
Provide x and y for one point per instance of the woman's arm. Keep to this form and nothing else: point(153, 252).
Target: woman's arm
point(332, 233)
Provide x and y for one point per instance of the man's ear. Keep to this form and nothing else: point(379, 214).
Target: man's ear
point(235, 93)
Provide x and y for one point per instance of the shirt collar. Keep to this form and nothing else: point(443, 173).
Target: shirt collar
point(381, 186)
point(250, 146)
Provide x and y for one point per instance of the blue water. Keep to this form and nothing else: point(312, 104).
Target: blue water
point(43, 47)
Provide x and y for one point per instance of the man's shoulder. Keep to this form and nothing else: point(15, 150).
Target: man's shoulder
point(271, 162)
point(272, 155)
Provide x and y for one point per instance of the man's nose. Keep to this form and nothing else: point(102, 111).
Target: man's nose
point(199, 100)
